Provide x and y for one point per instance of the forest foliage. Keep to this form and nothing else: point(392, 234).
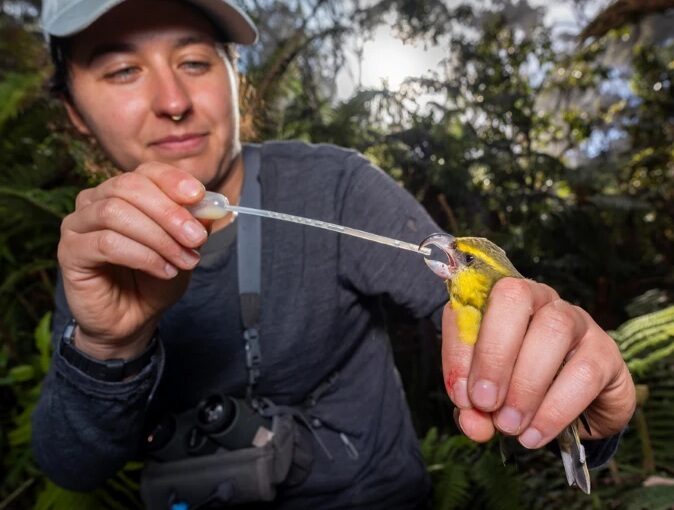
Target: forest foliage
point(559, 149)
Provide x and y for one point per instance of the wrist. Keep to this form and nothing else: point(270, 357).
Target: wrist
point(105, 367)
point(126, 349)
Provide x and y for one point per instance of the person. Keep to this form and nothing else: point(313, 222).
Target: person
point(154, 300)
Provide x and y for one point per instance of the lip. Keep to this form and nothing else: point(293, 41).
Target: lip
point(181, 145)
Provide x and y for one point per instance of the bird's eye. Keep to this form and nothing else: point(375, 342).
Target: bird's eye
point(469, 259)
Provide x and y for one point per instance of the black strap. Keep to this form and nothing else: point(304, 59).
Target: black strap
point(249, 255)
point(111, 370)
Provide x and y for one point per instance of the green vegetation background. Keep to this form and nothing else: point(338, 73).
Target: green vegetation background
point(558, 153)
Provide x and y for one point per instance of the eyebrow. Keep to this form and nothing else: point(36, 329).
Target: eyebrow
point(106, 48)
point(121, 47)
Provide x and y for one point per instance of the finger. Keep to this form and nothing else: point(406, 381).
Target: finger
point(511, 304)
point(456, 360)
point(585, 375)
point(179, 185)
point(142, 193)
point(119, 216)
point(477, 425)
point(613, 408)
point(84, 198)
point(555, 329)
point(109, 247)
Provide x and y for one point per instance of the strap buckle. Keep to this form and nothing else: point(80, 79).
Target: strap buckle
point(253, 354)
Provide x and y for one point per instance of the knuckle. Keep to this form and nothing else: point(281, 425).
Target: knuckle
point(556, 317)
point(110, 209)
point(82, 198)
point(178, 212)
point(554, 418)
point(492, 357)
point(125, 181)
point(525, 392)
point(61, 253)
point(167, 246)
point(514, 290)
point(587, 372)
point(149, 260)
point(108, 243)
point(65, 224)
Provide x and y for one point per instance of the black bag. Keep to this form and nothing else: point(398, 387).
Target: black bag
point(229, 477)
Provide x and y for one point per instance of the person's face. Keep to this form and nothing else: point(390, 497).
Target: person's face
point(143, 63)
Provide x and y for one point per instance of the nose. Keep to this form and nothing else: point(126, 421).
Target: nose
point(172, 98)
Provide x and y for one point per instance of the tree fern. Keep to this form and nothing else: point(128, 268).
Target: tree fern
point(646, 339)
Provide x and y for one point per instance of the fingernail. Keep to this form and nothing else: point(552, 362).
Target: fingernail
point(484, 394)
point(194, 231)
point(456, 417)
point(190, 188)
point(190, 257)
point(509, 420)
point(531, 438)
point(170, 270)
point(460, 394)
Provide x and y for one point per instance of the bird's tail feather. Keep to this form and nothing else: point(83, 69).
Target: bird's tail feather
point(573, 458)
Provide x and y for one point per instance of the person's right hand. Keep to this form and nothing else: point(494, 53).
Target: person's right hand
point(126, 254)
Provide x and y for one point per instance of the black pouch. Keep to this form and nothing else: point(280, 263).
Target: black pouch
point(228, 477)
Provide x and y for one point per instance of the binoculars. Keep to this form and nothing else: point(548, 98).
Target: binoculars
point(218, 422)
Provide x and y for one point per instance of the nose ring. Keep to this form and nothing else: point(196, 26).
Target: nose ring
point(176, 118)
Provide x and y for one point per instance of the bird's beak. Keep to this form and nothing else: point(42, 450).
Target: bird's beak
point(446, 243)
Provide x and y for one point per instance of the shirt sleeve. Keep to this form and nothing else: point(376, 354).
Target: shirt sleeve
point(84, 430)
point(374, 202)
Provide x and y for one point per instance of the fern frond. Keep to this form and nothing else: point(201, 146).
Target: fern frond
point(15, 90)
point(650, 498)
point(647, 339)
point(453, 487)
point(500, 487)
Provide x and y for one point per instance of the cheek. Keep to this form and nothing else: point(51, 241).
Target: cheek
point(116, 121)
point(217, 100)
point(218, 105)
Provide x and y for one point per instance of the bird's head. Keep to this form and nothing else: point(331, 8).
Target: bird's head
point(474, 254)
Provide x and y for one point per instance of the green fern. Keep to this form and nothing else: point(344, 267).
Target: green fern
point(650, 498)
point(452, 486)
point(646, 340)
point(468, 475)
point(16, 89)
point(121, 492)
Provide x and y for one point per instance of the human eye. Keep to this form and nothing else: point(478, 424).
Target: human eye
point(122, 75)
point(196, 66)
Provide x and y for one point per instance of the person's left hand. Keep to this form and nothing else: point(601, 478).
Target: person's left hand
point(539, 362)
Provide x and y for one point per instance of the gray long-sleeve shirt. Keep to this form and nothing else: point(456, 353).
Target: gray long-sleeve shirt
point(320, 313)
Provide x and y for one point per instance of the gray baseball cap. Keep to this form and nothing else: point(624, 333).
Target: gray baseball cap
point(62, 18)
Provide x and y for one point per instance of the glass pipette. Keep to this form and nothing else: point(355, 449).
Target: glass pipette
point(215, 206)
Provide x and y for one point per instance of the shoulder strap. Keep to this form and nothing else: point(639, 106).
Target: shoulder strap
point(249, 257)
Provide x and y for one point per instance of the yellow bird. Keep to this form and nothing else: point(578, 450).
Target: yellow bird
point(474, 265)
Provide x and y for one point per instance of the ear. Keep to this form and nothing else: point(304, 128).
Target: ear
point(76, 118)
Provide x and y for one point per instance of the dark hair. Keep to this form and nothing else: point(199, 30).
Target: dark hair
point(58, 82)
point(59, 48)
